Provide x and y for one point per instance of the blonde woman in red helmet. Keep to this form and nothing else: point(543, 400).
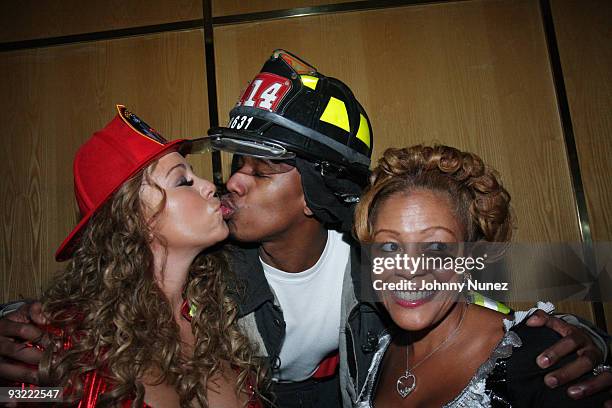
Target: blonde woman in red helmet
point(141, 316)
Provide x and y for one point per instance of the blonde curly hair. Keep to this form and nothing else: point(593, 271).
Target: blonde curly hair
point(481, 202)
point(119, 323)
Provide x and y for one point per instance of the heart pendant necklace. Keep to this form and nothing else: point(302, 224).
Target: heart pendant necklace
point(406, 383)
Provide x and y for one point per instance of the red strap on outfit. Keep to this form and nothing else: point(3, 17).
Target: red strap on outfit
point(328, 367)
point(93, 386)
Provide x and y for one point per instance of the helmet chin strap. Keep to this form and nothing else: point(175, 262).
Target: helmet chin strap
point(331, 198)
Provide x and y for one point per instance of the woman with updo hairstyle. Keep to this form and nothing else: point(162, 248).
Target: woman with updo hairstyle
point(441, 349)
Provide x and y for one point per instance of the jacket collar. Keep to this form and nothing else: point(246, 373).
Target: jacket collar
point(253, 288)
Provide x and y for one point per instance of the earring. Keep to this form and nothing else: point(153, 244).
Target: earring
point(467, 276)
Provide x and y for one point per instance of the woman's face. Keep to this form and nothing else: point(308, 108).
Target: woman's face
point(420, 224)
point(191, 218)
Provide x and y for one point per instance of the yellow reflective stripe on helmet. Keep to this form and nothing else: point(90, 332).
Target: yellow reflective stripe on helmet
point(363, 133)
point(309, 81)
point(336, 114)
point(480, 300)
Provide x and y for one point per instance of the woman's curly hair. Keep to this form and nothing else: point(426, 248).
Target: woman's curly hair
point(119, 324)
point(481, 202)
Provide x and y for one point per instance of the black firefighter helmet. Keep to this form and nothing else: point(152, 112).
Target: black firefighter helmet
point(290, 109)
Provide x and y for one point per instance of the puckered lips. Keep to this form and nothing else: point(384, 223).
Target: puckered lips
point(228, 208)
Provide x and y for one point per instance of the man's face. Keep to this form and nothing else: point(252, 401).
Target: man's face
point(265, 200)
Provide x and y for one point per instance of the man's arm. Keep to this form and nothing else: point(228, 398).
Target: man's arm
point(18, 334)
point(577, 340)
point(9, 308)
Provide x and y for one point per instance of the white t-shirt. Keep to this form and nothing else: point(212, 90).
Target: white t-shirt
point(310, 301)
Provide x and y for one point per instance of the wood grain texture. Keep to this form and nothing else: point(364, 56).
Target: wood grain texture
point(30, 19)
point(474, 75)
point(229, 7)
point(584, 36)
point(463, 74)
point(54, 100)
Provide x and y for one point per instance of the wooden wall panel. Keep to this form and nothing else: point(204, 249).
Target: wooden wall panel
point(470, 74)
point(584, 38)
point(54, 99)
point(30, 19)
point(229, 7)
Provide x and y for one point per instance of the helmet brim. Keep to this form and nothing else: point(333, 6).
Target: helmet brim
point(237, 142)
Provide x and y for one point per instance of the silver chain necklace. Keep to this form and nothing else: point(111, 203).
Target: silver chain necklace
point(406, 383)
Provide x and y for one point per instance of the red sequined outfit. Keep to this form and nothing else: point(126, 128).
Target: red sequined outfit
point(94, 384)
